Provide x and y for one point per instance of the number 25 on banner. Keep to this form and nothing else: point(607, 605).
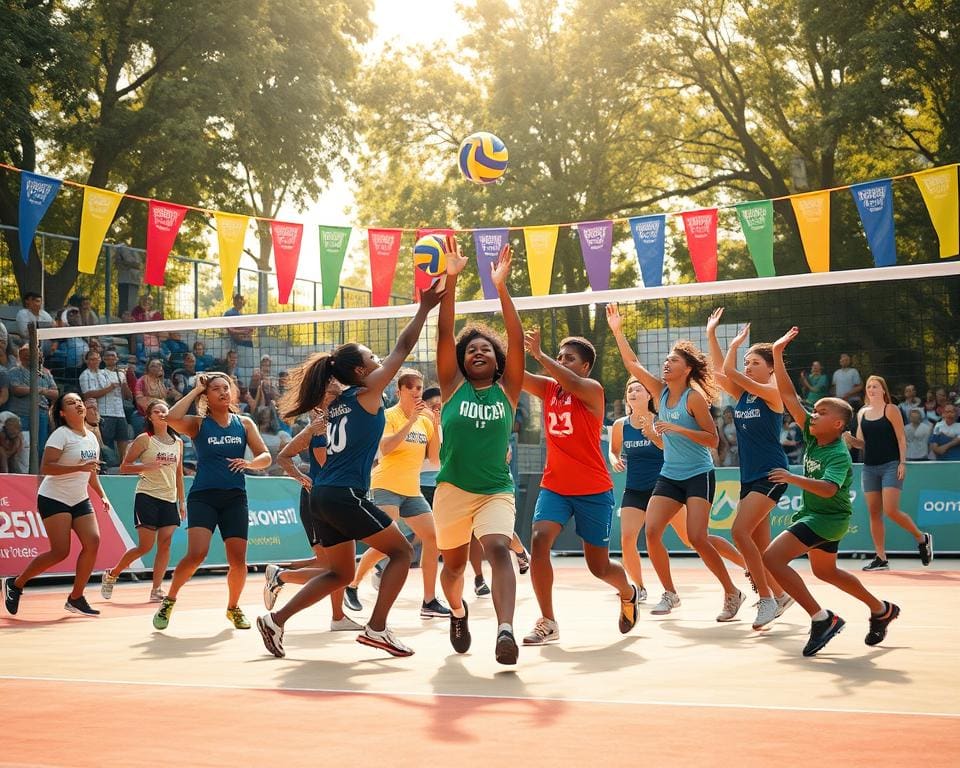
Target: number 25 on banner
point(21, 525)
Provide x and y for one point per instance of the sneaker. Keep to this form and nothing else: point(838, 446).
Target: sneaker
point(507, 650)
point(351, 600)
point(544, 631)
point(434, 610)
point(926, 549)
point(161, 619)
point(272, 635)
point(81, 606)
point(460, 631)
point(106, 585)
point(480, 587)
point(753, 584)
point(271, 586)
point(766, 612)
point(731, 604)
point(157, 595)
point(629, 613)
point(346, 624)
point(385, 641)
point(877, 565)
point(235, 616)
point(668, 602)
point(642, 595)
point(784, 601)
point(879, 624)
point(822, 632)
point(12, 595)
point(523, 561)
point(375, 579)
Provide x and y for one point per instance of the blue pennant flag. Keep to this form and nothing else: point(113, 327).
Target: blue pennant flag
point(874, 201)
point(649, 233)
point(36, 194)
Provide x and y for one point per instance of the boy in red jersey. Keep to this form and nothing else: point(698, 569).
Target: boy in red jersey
point(576, 482)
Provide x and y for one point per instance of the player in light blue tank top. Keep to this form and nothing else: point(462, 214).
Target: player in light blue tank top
point(687, 478)
point(757, 416)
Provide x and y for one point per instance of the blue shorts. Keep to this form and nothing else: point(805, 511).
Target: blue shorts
point(592, 513)
point(876, 477)
point(409, 506)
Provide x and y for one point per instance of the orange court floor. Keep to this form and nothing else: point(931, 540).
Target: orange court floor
point(680, 690)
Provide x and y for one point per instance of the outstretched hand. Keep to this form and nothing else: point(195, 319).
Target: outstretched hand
point(456, 261)
point(500, 271)
point(714, 320)
point(613, 318)
point(781, 343)
point(431, 297)
point(741, 336)
point(531, 343)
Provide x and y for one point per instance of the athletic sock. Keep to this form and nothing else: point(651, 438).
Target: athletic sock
point(458, 613)
point(819, 615)
point(505, 628)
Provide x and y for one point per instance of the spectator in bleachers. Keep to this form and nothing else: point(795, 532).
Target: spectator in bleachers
point(4, 387)
point(814, 385)
point(909, 402)
point(847, 384)
point(129, 273)
point(184, 377)
point(152, 386)
point(11, 441)
point(930, 408)
point(94, 423)
point(111, 364)
point(945, 440)
point(942, 400)
point(791, 438)
point(174, 348)
point(32, 312)
point(106, 388)
point(148, 344)
point(19, 403)
point(85, 306)
point(229, 364)
point(67, 358)
point(245, 400)
point(917, 431)
point(273, 437)
point(204, 361)
point(5, 357)
point(241, 339)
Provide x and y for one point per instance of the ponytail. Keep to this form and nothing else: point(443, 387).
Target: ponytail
point(308, 382)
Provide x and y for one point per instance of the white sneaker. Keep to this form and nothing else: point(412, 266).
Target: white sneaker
point(106, 585)
point(766, 612)
point(731, 604)
point(642, 595)
point(272, 586)
point(784, 601)
point(668, 602)
point(385, 641)
point(545, 631)
point(346, 624)
point(157, 595)
point(272, 635)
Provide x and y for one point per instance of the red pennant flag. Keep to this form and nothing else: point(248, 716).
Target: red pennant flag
point(421, 280)
point(163, 225)
point(384, 247)
point(701, 229)
point(286, 254)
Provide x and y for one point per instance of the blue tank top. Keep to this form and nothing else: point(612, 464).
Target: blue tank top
point(353, 436)
point(644, 459)
point(215, 445)
point(758, 438)
point(682, 458)
point(315, 467)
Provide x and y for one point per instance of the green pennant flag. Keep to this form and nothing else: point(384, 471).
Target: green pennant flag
point(333, 247)
point(756, 221)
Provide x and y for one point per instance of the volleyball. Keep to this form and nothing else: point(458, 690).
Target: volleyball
point(483, 158)
point(428, 255)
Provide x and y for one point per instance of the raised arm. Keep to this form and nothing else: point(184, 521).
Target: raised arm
point(448, 372)
point(392, 440)
point(717, 357)
point(588, 390)
point(788, 393)
point(177, 415)
point(769, 392)
point(512, 379)
point(651, 383)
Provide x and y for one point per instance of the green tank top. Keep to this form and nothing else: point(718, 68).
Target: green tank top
point(476, 428)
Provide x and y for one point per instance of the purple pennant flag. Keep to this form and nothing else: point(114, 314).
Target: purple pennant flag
point(488, 243)
point(596, 244)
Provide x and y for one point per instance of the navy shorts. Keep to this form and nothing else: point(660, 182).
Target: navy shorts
point(427, 492)
point(48, 507)
point(772, 491)
point(813, 540)
point(876, 477)
point(701, 486)
point(219, 508)
point(152, 513)
point(592, 513)
point(637, 499)
point(339, 515)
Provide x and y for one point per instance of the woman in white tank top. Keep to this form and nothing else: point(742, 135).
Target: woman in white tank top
point(160, 504)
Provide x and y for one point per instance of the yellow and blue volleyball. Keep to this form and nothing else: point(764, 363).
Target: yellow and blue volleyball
point(483, 158)
point(428, 255)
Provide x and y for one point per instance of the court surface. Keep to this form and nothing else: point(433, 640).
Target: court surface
point(111, 691)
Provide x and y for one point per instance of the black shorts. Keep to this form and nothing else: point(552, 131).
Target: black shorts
point(114, 428)
point(152, 513)
point(223, 508)
point(772, 491)
point(340, 514)
point(634, 498)
point(701, 486)
point(48, 507)
point(307, 520)
point(807, 536)
point(428, 491)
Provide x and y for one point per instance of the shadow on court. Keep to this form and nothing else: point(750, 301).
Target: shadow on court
point(164, 646)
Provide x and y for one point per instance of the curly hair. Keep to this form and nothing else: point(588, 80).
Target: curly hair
point(479, 330)
point(701, 373)
point(203, 406)
point(308, 382)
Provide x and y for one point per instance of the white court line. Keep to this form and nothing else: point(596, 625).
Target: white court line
point(423, 694)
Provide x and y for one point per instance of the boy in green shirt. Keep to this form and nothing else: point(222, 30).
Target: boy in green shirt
point(825, 515)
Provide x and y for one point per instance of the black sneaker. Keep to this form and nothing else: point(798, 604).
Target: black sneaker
point(12, 596)
point(351, 600)
point(507, 650)
point(822, 632)
point(480, 587)
point(434, 610)
point(81, 606)
point(926, 549)
point(877, 565)
point(460, 632)
point(879, 624)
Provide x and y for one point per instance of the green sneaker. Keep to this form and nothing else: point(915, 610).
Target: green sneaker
point(161, 619)
point(236, 617)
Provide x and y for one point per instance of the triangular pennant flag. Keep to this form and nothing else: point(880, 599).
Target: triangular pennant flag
point(813, 218)
point(489, 243)
point(287, 237)
point(384, 247)
point(36, 194)
point(756, 221)
point(541, 245)
point(333, 247)
point(231, 232)
point(649, 237)
point(163, 224)
point(596, 245)
point(939, 189)
point(874, 201)
point(421, 280)
point(701, 229)
point(99, 208)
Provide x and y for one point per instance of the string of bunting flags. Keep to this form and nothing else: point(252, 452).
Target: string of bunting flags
point(874, 201)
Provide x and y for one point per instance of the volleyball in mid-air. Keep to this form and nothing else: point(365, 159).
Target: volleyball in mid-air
point(483, 158)
point(429, 256)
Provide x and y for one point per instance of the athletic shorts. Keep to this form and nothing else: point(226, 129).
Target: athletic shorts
point(636, 499)
point(306, 519)
point(459, 514)
point(152, 513)
point(876, 477)
point(427, 492)
point(772, 491)
point(48, 507)
point(592, 513)
point(113, 428)
point(807, 536)
point(701, 486)
point(339, 515)
point(410, 506)
point(219, 508)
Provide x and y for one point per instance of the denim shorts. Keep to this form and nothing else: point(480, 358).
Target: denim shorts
point(876, 477)
point(409, 506)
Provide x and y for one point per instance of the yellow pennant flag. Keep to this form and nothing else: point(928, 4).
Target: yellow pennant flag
point(99, 208)
point(813, 217)
point(939, 189)
point(541, 245)
point(231, 232)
